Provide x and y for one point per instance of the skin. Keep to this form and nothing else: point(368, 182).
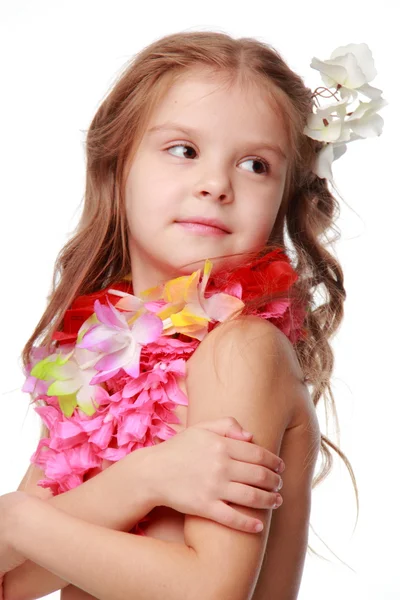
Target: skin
point(219, 176)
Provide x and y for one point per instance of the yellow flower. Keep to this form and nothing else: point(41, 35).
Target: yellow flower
point(187, 310)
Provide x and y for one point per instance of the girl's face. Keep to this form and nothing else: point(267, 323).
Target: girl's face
point(204, 154)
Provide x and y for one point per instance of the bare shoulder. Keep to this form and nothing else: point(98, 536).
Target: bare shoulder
point(248, 329)
point(272, 355)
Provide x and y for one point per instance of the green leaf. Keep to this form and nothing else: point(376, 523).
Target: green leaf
point(67, 404)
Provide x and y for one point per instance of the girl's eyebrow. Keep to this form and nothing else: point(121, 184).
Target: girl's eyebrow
point(190, 131)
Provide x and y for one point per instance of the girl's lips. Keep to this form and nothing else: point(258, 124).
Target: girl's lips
point(201, 229)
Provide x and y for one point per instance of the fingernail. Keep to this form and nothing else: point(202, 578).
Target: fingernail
point(281, 468)
point(247, 433)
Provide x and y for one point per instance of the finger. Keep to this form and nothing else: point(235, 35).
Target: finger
point(252, 453)
point(239, 435)
point(226, 515)
point(252, 497)
point(254, 475)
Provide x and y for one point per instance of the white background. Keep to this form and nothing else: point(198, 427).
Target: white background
point(58, 60)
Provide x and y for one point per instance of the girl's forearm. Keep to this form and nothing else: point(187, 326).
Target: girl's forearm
point(117, 498)
point(110, 565)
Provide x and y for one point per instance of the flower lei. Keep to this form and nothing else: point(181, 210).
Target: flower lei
point(348, 70)
point(110, 386)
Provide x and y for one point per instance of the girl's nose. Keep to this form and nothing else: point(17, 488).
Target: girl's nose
point(216, 186)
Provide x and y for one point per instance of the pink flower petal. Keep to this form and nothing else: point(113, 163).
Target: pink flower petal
point(37, 457)
point(155, 306)
point(115, 360)
point(164, 432)
point(133, 428)
point(175, 393)
point(102, 436)
point(177, 366)
point(220, 306)
point(132, 387)
point(142, 399)
point(133, 367)
point(66, 435)
point(109, 315)
point(129, 303)
point(103, 376)
point(49, 415)
point(29, 384)
point(147, 328)
point(115, 454)
point(102, 339)
point(83, 458)
point(91, 423)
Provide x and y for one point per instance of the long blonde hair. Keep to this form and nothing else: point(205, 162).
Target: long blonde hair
point(97, 254)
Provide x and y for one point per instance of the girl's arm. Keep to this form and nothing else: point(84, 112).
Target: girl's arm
point(110, 565)
point(126, 496)
point(257, 386)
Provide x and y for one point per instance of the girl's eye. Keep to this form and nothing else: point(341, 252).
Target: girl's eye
point(262, 162)
point(259, 161)
point(181, 146)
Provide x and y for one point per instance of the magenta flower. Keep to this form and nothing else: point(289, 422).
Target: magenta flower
point(119, 343)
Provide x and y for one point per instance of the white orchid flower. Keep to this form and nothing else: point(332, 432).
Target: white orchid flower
point(322, 125)
point(324, 159)
point(352, 67)
point(364, 121)
point(349, 70)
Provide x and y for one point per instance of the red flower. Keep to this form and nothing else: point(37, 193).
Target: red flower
point(271, 273)
point(83, 307)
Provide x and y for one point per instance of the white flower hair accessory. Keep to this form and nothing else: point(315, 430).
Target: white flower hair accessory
point(349, 71)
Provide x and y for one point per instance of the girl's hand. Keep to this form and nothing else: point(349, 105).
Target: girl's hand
point(9, 557)
point(199, 470)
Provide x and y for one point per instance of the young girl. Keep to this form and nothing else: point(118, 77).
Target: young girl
point(178, 322)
